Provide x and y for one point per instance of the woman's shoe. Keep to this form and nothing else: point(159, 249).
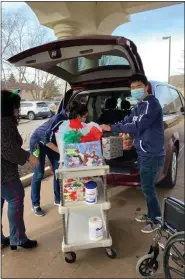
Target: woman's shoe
point(6, 242)
point(27, 245)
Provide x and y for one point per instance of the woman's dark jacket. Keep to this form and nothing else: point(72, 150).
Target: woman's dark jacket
point(12, 154)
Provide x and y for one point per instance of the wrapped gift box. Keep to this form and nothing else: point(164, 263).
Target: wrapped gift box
point(127, 141)
point(74, 189)
point(83, 154)
point(112, 147)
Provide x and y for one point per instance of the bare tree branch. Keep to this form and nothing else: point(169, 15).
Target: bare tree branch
point(18, 34)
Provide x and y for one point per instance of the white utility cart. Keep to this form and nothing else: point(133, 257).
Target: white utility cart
point(76, 214)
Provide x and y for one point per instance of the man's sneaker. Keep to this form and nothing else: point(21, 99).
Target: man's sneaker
point(150, 227)
point(142, 218)
point(57, 203)
point(38, 211)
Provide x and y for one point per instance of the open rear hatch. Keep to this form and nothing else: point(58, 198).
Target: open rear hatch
point(83, 61)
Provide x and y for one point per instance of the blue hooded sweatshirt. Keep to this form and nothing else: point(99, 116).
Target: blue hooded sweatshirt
point(145, 123)
point(46, 132)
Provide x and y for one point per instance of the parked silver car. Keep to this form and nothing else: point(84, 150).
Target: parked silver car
point(34, 109)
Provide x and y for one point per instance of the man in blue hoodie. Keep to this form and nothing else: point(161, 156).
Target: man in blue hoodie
point(43, 139)
point(146, 124)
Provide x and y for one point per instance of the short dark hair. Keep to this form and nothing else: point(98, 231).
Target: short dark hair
point(139, 77)
point(76, 109)
point(9, 102)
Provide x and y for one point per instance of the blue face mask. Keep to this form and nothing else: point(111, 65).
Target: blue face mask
point(138, 94)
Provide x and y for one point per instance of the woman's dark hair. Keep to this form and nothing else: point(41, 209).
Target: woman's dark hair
point(110, 104)
point(125, 105)
point(9, 102)
point(76, 110)
point(139, 77)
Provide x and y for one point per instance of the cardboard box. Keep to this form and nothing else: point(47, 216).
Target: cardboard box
point(83, 154)
point(112, 147)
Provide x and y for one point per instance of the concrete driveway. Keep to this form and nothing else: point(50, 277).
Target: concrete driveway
point(27, 127)
point(46, 261)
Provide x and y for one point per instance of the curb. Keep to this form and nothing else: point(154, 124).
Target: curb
point(26, 180)
point(26, 121)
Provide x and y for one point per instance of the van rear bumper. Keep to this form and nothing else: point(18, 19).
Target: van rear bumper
point(130, 179)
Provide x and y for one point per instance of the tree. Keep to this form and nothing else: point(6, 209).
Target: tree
point(50, 90)
point(20, 32)
point(12, 78)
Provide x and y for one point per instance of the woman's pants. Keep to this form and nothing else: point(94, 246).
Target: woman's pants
point(38, 173)
point(13, 193)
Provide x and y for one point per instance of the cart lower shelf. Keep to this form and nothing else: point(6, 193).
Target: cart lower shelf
point(77, 231)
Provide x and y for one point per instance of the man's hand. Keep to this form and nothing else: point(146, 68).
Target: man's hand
point(105, 128)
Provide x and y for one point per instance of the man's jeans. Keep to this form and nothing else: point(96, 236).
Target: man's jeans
point(39, 173)
point(13, 193)
point(148, 169)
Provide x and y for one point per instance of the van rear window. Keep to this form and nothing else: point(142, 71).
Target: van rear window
point(80, 64)
point(41, 105)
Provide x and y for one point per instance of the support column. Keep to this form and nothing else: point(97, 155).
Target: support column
point(67, 28)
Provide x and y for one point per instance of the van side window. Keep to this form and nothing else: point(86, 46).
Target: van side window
point(169, 99)
point(83, 99)
point(182, 98)
point(176, 99)
point(28, 105)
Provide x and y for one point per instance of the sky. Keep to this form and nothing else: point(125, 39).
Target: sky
point(146, 30)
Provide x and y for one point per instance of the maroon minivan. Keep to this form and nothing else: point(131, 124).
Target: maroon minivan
point(98, 68)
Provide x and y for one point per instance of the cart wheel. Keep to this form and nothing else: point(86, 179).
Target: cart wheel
point(147, 266)
point(111, 253)
point(70, 257)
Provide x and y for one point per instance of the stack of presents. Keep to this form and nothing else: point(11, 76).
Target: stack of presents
point(84, 146)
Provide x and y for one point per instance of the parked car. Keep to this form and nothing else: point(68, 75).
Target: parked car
point(99, 68)
point(34, 109)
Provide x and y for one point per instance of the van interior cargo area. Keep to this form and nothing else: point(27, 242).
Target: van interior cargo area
point(108, 107)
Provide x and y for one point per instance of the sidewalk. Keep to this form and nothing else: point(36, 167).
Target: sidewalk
point(46, 261)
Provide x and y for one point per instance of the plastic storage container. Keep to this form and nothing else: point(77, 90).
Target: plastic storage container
point(95, 228)
point(91, 192)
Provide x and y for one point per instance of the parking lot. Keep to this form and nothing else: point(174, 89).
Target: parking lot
point(47, 261)
point(27, 127)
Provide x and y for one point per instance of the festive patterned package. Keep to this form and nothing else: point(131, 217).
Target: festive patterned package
point(75, 131)
point(112, 147)
point(74, 189)
point(83, 154)
point(127, 141)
